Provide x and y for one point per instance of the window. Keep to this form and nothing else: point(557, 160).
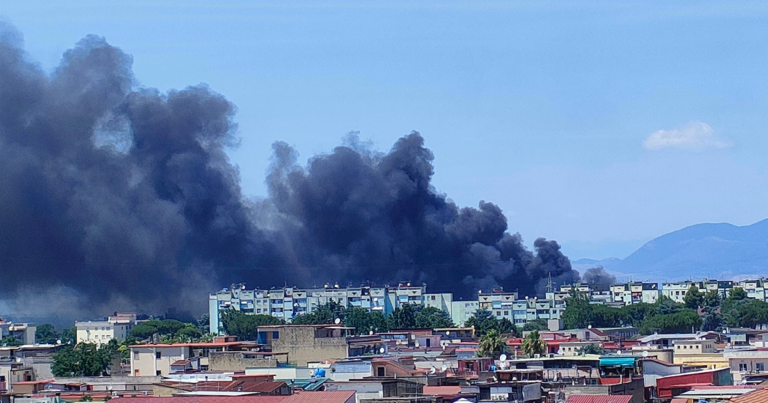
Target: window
point(760, 366)
point(742, 367)
point(275, 335)
point(158, 355)
point(158, 373)
point(433, 298)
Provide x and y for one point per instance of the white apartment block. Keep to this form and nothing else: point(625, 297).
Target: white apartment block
point(635, 293)
point(677, 291)
point(286, 303)
point(101, 332)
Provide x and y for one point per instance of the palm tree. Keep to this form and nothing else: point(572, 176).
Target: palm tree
point(491, 345)
point(533, 344)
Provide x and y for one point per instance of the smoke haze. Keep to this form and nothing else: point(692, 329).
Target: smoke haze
point(116, 196)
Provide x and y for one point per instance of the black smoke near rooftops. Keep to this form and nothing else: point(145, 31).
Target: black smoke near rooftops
point(126, 197)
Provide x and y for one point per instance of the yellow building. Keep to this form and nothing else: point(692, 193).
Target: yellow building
point(698, 353)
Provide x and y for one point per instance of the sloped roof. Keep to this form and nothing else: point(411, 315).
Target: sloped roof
point(758, 396)
point(599, 399)
point(341, 396)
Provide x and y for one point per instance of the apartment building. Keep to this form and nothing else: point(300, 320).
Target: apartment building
point(23, 332)
point(116, 327)
point(635, 293)
point(676, 291)
point(166, 359)
point(101, 332)
point(285, 303)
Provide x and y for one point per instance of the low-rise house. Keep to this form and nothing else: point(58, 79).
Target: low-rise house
point(307, 343)
point(698, 353)
point(241, 384)
point(671, 386)
point(376, 388)
point(158, 359)
point(746, 362)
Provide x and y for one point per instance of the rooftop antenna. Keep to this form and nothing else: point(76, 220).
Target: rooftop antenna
point(549, 283)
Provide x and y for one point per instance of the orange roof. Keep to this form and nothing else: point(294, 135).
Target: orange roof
point(758, 396)
point(341, 396)
point(599, 399)
point(204, 399)
point(442, 390)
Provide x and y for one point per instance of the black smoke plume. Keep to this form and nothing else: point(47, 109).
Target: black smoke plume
point(114, 196)
point(599, 278)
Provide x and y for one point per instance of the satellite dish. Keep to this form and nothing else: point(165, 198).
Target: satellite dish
point(560, 351)
point(417, 344)
point(589, 327)
point(618, 352)
point(337, 321)
point(448, 333)
point(370, 332)
point(444, 368)
point(432, 370)
point(503, 357)
point(645, 354)
point(381, 350)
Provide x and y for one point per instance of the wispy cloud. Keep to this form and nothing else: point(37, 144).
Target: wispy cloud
point(694, 136)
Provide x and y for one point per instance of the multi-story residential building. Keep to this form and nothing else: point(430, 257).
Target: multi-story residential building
point(755, 289)
point(677, 291)
point(463, 310)
point(634, 293)
point(101, 332)
point(23, 332)
point(116, 327)
point(286, 303)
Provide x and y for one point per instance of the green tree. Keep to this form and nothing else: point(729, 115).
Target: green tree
point(188, 333)
point(683, 321)
point(577, 313)
point(83, 359)
point(635, 314)
point(323, 314)
point(245, 326)
point(360, 319)
point(711, 299)
point(606, 316)
point(745, 313)
point(693, 298)
point(737, 294)
point(537, 324)
point(9, 341)
point(204, 324)
point(483, 321)
point(403, 317)
point(432, 318)
point(505, 326)
point(667, 306)
point(86, 398)
point(492, 344)
point(69, 335)
point(593, 348)
point(533, 344)
point(713, 320)
point(46, 334)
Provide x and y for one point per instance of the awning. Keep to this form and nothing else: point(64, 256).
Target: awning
point(617, 362)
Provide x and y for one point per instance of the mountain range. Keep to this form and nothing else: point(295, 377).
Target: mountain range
point(716, 251)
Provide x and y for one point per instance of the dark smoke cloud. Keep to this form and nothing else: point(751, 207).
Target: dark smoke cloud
point(599, 278)
point(125, 197)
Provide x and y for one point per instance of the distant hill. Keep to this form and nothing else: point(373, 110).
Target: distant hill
point(722, 251)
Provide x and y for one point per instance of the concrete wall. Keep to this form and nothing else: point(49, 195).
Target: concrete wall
point(302, 346)
point(236, 361)
point(634, 388)
point(143, 360)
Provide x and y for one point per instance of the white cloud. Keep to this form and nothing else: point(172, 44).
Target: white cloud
point(695, 136)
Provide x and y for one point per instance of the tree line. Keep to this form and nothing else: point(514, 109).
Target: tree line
point(700, 311)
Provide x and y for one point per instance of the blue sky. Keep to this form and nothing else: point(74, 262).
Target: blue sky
point(599, 124)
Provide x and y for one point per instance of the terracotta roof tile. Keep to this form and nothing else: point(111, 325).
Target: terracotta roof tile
point(599, 399)
point(342, 396)
point(758, 396)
